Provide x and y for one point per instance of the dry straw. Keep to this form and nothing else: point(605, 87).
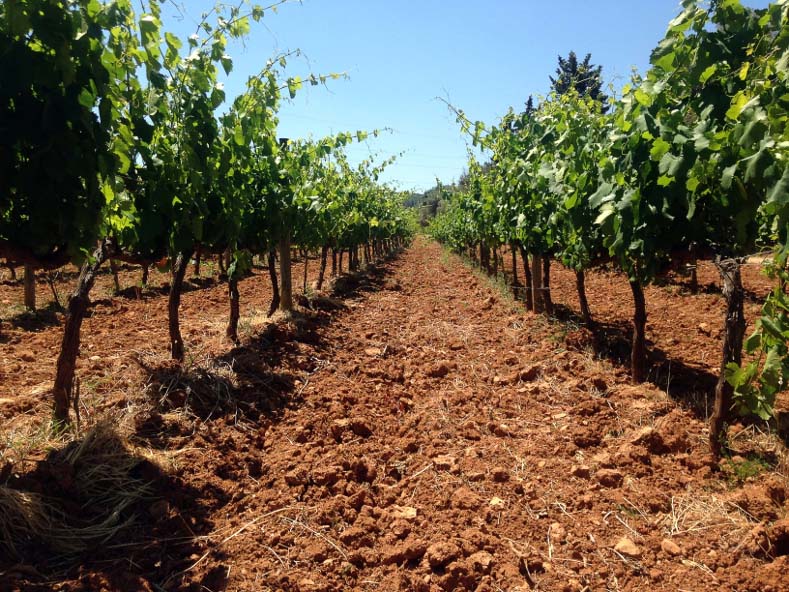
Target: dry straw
point(101, 473)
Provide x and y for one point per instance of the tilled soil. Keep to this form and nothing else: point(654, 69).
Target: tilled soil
point(417, 431)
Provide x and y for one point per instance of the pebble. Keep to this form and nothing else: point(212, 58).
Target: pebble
point(669, 547)
point(628, 548)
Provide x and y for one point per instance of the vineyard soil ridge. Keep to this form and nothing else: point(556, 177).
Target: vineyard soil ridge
point(425, 434)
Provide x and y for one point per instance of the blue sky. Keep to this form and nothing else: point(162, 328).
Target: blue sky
point(482, 56)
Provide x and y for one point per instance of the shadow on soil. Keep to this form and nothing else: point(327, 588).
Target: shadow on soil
point(611, 340)
point(263, 376)
point(96, 500)
point(39, 320)
point(688, 385)
point(166, 530)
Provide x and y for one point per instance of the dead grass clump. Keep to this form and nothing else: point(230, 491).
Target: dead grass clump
point(201, 389)
point(692, 513)
point(91, 487)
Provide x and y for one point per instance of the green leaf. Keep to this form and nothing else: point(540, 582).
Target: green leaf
point(87, 98)
point(604, 214)
point(778, 196)
point(728, 176)
point(238, 135)
point(670, 164)
point(665, 62)
point(659, 148)
point(173, 42)
point(294, 84)
point(744, 70)
point(643, 98)
point(737, 105)
point(753, 342)
point(227, 64)
point(707, 74)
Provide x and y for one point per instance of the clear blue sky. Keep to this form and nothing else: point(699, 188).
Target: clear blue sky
point(482, 56)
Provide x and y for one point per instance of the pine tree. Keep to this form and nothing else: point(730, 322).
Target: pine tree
point(584, 77)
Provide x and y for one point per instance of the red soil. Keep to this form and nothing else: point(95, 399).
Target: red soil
point(423, 433)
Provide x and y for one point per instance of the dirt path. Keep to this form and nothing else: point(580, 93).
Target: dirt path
point(433, 437)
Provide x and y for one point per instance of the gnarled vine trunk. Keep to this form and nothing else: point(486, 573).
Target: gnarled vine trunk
point(198, 257)
point(235, 309)
point(638, 352)
point(580, 285)
point(734, 331)
point(116, 281)
point(546, 285)
point(304, 282)
point(536, 283)
point(514, 256)
point(322, 271)
point(177, 273)
point(69, 347)
point(527, 279)
point(272, 273)
point(30, 287)
point(286, 279)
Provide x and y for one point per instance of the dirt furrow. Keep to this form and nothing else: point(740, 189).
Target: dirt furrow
point(422, 432)
point(448, 441)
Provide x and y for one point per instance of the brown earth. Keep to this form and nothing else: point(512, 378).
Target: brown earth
point(417, 431)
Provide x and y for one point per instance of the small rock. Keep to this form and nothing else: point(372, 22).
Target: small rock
point(580, 471)
point(440, 554)
point(557, 532)
point(671, 548)
point(628, 548)
point(296, 477)
point(364, 470)
point(27, 356)
point(465, 499)
point(361, 428)
point(325, 476)
point(338, 428)
point(779, 536)
point(441, 369)
point(609, 477)
point(372, 351)
point(501, 430)
point(704, 328)
point(496, 502)
point(444, 463)
point(403, 512)
point(649, 438)
point(481, 562)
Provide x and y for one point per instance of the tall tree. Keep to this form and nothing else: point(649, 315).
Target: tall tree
point(584, 77)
